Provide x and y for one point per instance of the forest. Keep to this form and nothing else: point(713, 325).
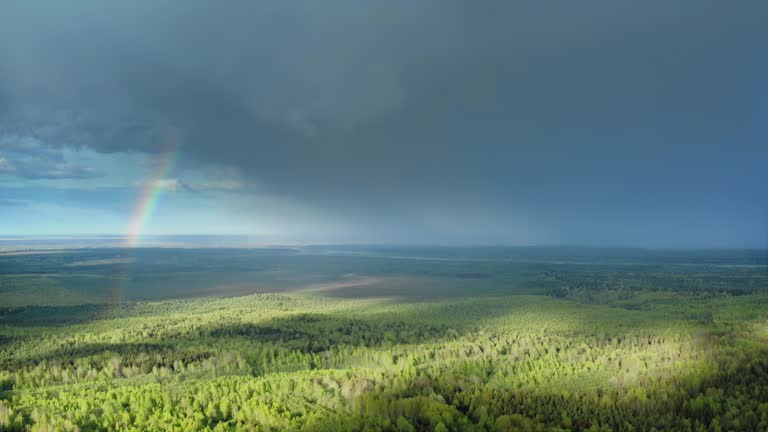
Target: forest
point(384, 339)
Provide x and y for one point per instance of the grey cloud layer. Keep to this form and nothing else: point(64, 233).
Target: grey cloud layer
point(27, 158)
point(507, 109)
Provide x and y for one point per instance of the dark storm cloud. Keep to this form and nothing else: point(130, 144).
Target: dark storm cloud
point(400, 112)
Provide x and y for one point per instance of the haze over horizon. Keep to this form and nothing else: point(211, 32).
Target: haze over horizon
point(601, 123)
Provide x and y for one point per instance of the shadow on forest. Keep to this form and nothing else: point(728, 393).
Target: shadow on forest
point(317, 333)
point(42, 316)
point(6, 340)
point(306, 333)
point(157, 351)
point(409, 324)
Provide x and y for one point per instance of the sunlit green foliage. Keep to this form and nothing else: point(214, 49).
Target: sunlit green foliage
point(311, 361)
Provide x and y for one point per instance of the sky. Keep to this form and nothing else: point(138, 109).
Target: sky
point(600, 122)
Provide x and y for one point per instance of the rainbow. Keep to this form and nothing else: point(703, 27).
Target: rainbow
point(143, 209)
point(151, 190)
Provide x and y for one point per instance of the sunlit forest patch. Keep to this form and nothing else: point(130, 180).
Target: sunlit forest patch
point(525, 347)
